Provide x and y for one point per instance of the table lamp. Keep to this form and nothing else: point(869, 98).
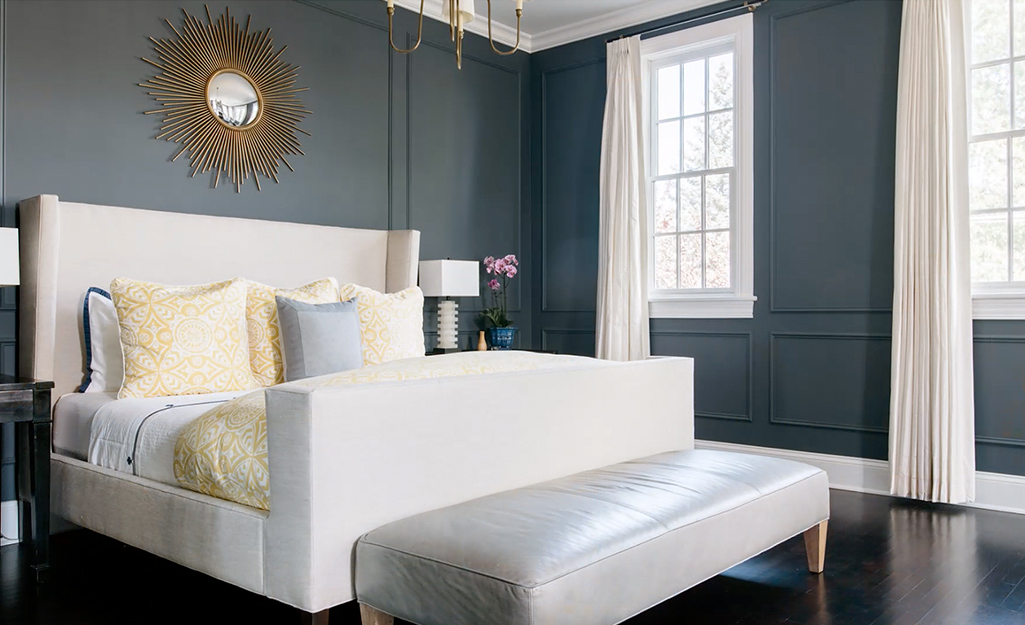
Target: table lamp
point(448, 279)
point(10, 274)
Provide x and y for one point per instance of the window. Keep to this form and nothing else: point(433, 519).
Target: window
point(996, 157)
point(699, 109)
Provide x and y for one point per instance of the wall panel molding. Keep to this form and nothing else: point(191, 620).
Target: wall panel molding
point(748, 415)
point(543, 99)
point(550, 332)
point(3, 114)
point(333, 11)
point(1001, 441)
point(8, 356)
point(774, 305)
point(990, 338)
point(774, 418)
point(8, 300)
point(516, 303)
point(8, 348)
point(7, 364)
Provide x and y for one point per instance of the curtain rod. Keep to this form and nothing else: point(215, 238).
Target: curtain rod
point(749, 6)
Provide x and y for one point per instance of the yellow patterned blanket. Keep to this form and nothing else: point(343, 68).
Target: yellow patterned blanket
point(224, 452)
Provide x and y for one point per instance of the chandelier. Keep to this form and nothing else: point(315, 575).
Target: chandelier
point(458, 13)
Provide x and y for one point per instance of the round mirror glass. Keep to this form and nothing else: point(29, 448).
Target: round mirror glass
point(233, 99)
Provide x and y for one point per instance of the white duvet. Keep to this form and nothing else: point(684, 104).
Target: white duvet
point(138, 436)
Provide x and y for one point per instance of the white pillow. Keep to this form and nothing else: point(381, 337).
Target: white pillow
point(104, 358)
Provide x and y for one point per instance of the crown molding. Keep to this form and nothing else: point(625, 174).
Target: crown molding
point(616, 20)
point(535, 42)
point(503, 33)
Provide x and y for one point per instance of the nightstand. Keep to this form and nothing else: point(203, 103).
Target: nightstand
point(26, 403)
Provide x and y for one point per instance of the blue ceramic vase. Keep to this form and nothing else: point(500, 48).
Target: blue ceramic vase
point(501, 338)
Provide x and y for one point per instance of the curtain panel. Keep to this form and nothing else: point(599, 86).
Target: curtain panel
point(622, 314)
point(932, 415)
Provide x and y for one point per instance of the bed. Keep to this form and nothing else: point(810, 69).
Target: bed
point(343, 461)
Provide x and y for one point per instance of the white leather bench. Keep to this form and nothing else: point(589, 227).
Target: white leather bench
point(591, 549)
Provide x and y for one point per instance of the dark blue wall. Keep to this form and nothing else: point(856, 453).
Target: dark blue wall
point(398, 141)
point(811, 370)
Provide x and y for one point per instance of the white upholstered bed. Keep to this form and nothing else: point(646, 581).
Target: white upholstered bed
point(343, 461)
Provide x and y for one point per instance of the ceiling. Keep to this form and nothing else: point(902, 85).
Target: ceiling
point(550, 23)
point(543, 15)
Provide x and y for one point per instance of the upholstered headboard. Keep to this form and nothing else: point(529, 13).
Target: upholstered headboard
point(67, 248)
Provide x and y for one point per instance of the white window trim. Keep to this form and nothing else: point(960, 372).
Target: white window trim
point(993, 300)
point(996, 301)
point(738, 302)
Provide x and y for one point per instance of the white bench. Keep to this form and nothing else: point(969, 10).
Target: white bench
point(591, 549)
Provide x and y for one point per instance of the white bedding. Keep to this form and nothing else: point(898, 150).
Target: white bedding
point(135, 436)
point(73, 421)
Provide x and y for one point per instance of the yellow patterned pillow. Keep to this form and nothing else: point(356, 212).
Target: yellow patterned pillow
point(182, 340)
point(264, 330)
point(392, 324)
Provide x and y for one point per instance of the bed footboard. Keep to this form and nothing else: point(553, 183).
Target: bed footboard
point(346, 460)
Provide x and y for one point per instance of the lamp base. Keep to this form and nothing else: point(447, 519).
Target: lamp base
point(448, 325)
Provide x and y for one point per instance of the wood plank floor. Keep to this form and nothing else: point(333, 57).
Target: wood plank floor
point(888, 562)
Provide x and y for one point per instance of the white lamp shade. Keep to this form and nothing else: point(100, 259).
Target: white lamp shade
point(450, 278)
point(10, 274)
point(466, 11)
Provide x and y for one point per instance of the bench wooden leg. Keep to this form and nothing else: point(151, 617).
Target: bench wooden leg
point(815, 545)
point(316, 618)
point(373, 616)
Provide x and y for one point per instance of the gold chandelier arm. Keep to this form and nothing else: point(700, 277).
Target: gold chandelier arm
point(453, 18)
point(459, 50)
point(491, 39)
point(419, 34)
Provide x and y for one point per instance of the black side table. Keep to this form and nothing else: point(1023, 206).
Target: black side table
point(27, 404)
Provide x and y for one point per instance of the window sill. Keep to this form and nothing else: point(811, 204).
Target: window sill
point(703, 307)
point(993, 306)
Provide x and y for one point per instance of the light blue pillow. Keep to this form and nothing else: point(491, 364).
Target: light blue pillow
point(318, 339)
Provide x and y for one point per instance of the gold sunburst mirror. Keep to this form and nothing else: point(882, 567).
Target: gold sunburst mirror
point(226, 96)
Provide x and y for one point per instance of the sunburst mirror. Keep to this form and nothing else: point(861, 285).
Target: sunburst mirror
point(227, 98)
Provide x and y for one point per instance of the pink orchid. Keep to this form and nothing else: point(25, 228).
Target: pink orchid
point(504, 269)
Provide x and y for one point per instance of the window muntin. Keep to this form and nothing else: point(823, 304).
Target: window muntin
point(694, 166)
point(996, 152)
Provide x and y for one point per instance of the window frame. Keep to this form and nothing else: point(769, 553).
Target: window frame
point(1004, 299)
point(698, 42)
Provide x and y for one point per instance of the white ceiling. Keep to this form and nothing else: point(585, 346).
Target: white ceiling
point(543, 15)
point(550, 23)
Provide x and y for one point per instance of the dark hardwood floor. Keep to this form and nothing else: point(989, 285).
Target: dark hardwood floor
point(889, 562)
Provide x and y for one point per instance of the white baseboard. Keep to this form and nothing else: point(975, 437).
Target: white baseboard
point(993, 491)
point(9, 522)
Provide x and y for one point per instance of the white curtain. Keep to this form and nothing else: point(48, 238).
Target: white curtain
point(932, 415)
point(622, 324)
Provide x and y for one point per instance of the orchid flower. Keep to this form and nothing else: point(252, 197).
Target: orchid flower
point(505, 268)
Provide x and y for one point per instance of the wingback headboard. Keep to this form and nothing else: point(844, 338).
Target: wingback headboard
point(68, 247)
